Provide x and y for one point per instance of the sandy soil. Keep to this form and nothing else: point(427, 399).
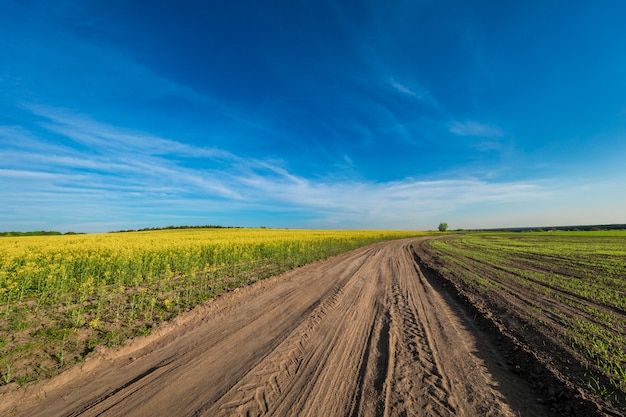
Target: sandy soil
point(365, 333)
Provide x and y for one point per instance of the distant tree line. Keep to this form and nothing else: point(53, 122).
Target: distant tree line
point(560, 228)
point(36, 233)
point(211, 226)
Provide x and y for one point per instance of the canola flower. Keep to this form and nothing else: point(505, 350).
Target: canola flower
point(60, 296)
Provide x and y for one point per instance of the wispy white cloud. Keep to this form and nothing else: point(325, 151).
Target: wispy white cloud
point(88, 132)
point(472, 128)
point(114, 165)
point(401, 88)
point(115, 174)
point(111, 156)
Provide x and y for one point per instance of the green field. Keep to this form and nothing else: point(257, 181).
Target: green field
point(569, 288)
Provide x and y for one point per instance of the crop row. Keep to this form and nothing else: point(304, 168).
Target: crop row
point(571, 286)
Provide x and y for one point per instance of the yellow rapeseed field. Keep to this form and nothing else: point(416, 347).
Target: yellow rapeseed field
point(60, 296)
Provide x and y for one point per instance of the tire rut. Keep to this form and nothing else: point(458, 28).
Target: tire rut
point(418, 381)
point(265, 389)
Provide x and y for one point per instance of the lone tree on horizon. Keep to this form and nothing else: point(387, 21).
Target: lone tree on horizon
point(443, 226)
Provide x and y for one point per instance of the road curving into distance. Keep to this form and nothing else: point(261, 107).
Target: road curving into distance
point(365, 333)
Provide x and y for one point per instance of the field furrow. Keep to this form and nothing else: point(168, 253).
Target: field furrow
point(559, 296)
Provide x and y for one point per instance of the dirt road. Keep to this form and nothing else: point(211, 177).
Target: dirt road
point(361, 334)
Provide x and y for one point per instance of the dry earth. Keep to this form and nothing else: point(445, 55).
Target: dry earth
point(365, 333)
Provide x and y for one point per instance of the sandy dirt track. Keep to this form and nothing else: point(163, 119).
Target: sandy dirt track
point(365, 333)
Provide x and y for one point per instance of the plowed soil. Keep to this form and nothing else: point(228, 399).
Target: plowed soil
point(529, 326)
point(366, 333)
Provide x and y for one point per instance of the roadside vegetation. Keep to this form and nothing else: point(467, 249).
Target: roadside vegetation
point(565, 292)
point(61, 296)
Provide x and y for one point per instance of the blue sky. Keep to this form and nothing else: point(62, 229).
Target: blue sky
point(311, 114)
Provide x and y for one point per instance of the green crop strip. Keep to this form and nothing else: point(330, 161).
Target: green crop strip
point(580, 278)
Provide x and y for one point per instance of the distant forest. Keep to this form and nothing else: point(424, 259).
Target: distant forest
point(37, 233)
point(177, 227)
point(53, 233)
point(559, 228)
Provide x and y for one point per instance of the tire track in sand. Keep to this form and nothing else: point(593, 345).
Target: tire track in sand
point(418, 382)
point(269, 387)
